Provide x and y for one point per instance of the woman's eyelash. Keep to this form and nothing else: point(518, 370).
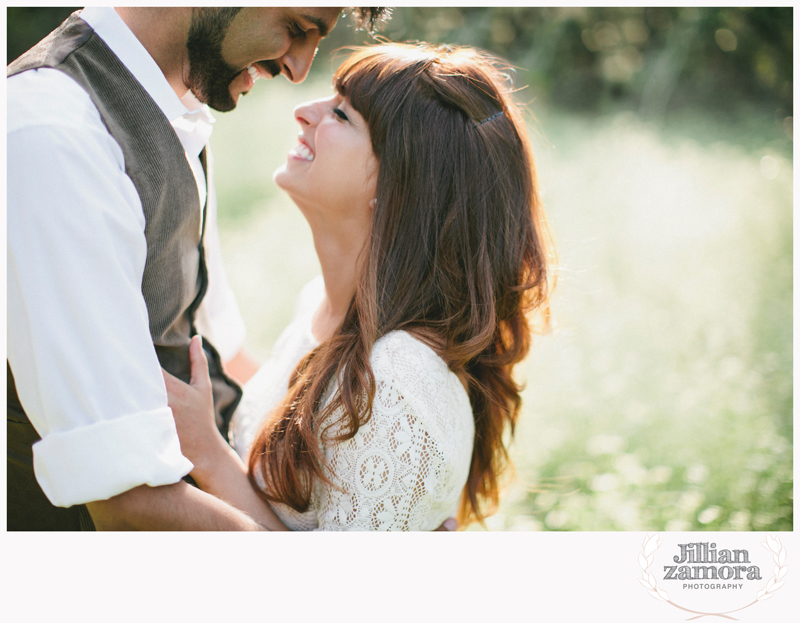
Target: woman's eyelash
point(340, 113)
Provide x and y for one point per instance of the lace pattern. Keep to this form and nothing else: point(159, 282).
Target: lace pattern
point(406, 466)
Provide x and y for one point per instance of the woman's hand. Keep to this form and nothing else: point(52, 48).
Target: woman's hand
point(193, 409)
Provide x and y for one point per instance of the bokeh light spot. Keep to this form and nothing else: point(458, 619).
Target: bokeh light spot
point(725, 39)
point(769, 167)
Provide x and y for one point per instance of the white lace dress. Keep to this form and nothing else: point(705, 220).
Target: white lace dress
point(406, 468)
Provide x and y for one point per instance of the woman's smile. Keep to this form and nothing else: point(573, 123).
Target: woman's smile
point(302, 151)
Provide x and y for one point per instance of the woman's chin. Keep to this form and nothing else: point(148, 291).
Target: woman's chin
point(279, 174)
point(283, 180)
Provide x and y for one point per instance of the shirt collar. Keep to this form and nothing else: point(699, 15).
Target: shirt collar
point(118, 37)
point(193, 128)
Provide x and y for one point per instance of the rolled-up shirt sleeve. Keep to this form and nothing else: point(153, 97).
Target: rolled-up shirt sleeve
point(79, 344)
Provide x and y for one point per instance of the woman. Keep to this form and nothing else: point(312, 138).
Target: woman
point(418, 183)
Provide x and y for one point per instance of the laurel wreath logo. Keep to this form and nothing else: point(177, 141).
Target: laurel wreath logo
point(648, 580)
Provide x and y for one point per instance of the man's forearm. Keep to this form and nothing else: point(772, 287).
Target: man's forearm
point(171, 507)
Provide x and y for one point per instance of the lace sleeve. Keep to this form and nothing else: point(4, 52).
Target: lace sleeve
point(405, 468)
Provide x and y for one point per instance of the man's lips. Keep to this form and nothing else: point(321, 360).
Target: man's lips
point(263, 69)
point(255, 72)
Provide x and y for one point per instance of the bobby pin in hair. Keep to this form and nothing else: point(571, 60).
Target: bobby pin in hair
point(489, 119)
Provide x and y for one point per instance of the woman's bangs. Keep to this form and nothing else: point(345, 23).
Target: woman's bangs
point(377, 77)
point(357, 80)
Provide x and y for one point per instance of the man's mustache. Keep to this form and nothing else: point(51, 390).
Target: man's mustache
point(271, 66)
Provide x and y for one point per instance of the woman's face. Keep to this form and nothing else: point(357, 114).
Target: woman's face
point(332, 171)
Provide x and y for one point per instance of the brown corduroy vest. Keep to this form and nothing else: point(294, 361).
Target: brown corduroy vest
point(175, 277)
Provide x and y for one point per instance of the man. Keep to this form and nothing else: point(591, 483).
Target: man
point(112, 258)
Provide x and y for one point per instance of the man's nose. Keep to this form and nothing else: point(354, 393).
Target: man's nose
point(297, 62)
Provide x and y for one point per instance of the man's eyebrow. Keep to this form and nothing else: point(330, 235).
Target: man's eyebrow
point(319, 24)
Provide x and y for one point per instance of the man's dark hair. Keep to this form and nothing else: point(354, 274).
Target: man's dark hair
point(370, 18)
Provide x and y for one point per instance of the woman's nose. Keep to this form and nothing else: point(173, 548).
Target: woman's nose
point(307, 113)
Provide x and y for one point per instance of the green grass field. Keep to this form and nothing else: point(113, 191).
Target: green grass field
point(662, 397)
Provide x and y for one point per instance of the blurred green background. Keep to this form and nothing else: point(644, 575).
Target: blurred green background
point(662, 397)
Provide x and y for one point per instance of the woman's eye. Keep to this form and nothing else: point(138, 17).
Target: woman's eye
point(340, 113)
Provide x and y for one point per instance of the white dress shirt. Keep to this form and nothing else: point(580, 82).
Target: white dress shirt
point(79, 343)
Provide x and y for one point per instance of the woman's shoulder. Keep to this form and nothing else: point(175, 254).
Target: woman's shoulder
point(409, 375)
point(406, 355)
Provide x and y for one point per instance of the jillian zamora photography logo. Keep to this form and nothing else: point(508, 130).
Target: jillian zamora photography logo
point(717, 577)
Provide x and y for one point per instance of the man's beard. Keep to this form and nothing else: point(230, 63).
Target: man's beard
point(210, 75)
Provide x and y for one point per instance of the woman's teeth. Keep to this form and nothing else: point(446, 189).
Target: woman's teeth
point(303, 152)
point(253, 73)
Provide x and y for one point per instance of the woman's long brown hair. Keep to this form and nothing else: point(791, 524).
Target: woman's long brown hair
point(458, 256)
